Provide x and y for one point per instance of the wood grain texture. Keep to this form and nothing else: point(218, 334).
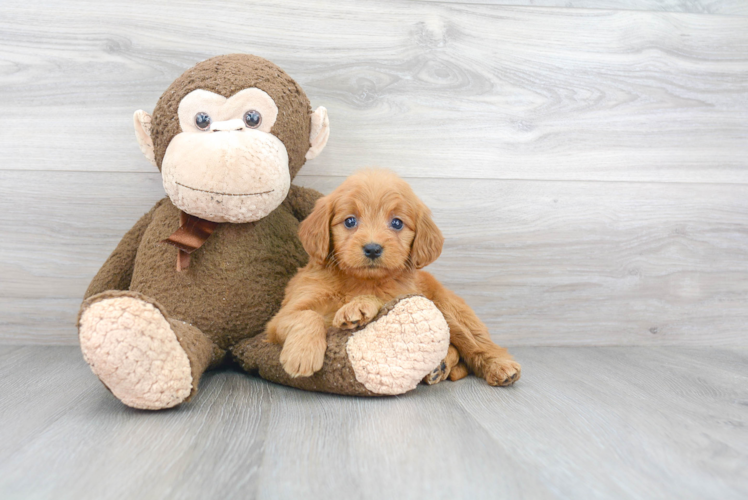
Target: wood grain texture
point(719, 7)
point(589, 167)
point(437, 89)
point(654, 423)
point(542, 263)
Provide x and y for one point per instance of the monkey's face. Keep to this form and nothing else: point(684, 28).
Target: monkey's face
point(229, 135)
point(225, 165)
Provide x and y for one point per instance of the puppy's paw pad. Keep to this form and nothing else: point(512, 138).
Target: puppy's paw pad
point(438, 374)
point(503, 372)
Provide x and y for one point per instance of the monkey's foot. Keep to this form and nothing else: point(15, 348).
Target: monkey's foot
point(134, 351)
point(397, 350)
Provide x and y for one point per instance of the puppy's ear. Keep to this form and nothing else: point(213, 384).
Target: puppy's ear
point(314, 231)
point(428, 241)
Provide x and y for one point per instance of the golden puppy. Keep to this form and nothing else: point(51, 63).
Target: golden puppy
point(367, 241)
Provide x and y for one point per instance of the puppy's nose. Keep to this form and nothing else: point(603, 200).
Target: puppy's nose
point(372, 250)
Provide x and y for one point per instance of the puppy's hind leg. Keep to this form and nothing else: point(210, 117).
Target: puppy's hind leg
point(459, 372)
point(471, 338)
point(445, 368)
point(481, 355)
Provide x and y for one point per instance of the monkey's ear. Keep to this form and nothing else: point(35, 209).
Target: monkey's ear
point(314, 231)
point(428, 241)
point(142, 122)
point(319, 132)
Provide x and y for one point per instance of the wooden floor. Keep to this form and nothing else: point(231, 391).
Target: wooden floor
point(584, 422)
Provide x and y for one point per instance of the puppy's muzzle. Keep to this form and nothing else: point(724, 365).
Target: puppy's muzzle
point(373, 251)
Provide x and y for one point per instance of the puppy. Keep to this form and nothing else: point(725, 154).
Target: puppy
point(367, 242)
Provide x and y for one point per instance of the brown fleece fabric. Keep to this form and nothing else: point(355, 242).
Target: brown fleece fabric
point(116, 273)
point(201, 352)
point(226, 75)
point(233, 287)
point(236, 280)
point(257, 355)
point(301, 200)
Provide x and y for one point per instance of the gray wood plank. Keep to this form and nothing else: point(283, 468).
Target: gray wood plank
point(332, 446)
point(624, 422)
point(95, 447)
point(38, 386)
point(543, 263)
point(600, 422)
point(436, 89)
point(717, 7)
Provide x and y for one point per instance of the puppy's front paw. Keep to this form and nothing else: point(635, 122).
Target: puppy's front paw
point(502, 371)
point(302, 356)
point(355, 313)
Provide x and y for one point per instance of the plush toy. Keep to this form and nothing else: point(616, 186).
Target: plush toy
point(197, 278)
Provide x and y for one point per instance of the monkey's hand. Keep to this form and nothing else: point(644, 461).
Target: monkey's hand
point(358, 312)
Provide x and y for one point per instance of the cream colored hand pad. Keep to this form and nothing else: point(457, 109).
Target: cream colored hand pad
point(131, 347)
point(394, 353)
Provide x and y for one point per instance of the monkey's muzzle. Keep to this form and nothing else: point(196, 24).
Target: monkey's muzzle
point(232, 176)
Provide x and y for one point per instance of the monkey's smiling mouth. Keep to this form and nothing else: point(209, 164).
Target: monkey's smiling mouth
point(223, 194)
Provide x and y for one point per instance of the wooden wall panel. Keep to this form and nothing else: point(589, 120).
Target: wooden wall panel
point(543, 263)
point(718, 7)
point(438, 89)
point(588, 166)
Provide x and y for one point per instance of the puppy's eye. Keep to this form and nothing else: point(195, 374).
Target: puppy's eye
point(202, 121)
point(252, 118)
point(396, 224)
point(350, 222)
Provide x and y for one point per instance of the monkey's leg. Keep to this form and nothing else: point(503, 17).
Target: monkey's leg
point(388, 356)
point(146, 359)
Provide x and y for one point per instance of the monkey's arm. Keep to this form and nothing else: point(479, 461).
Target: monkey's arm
point(301, 200)
point(116, 272)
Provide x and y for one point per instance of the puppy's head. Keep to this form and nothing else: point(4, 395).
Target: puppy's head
point(371, 226)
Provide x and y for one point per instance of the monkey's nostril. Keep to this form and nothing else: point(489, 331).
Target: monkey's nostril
point(373, 251)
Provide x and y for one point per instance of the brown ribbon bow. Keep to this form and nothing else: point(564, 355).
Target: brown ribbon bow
point(192, 233)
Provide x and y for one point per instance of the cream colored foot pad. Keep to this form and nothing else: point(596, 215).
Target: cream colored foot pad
point(133, 350)
point(394, 353)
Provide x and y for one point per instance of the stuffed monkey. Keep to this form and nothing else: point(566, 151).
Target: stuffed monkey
point(196, 279)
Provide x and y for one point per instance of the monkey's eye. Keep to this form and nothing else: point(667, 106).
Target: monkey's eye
point(252, 118)
point(350, 222)
point(396, 224)
point(202, 121)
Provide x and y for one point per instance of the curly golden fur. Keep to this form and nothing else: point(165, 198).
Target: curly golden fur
point(367, 242)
